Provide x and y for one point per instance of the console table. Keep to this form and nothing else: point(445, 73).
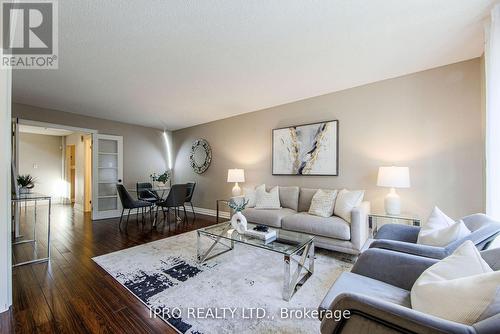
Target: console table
point(35, 198)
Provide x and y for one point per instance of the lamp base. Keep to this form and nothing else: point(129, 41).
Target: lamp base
point(236, 190)
point(392, 203)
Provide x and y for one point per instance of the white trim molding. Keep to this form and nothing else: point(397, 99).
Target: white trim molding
point(5, 190)
point(492, 76)
point(55, 126)
point(210, 212)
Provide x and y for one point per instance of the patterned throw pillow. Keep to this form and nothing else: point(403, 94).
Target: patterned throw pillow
point(267, 200)
point(323, 202)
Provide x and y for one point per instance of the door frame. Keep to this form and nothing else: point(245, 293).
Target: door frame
point(96, 214)
point(88, 170)
point(91, 132)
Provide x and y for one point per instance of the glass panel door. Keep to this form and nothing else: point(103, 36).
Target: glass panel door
point(108, 171)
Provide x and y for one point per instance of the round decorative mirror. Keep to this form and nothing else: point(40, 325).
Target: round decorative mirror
point(201, 156)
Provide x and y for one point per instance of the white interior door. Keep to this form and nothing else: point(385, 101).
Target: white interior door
point(108, 171)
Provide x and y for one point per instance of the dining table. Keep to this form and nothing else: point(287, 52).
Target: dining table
point(162, 192)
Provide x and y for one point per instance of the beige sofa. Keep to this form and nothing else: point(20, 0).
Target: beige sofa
point(333, 233)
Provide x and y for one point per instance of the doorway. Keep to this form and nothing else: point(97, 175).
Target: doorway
point(78, 170)
point(66, 176)
point(71, 171)
point(98, 166)
point(87, 178)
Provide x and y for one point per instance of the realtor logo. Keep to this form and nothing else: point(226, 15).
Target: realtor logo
point(29, 34)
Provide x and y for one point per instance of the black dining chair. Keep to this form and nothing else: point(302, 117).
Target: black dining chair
point(146, 193)
point(129, 203)
point(189, 196)
point(175, 200)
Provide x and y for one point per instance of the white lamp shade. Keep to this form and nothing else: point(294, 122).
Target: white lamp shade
point(235, 175)
point(393, 177)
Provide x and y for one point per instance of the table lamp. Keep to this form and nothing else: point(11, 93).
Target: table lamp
point(393, 177)
point(236, 175)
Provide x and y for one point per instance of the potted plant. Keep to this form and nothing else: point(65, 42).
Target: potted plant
point(26, 183)
point(165, 177)
point(238, 221)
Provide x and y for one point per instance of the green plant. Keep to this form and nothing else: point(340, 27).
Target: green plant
point(238, 205)
point(26, 181)
point(163, 178)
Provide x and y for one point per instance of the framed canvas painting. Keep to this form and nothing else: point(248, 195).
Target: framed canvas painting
point(309, 149)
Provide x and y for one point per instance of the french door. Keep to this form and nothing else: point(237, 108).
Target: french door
point(107, 153)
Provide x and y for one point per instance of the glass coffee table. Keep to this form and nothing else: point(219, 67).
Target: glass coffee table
point(297, 250)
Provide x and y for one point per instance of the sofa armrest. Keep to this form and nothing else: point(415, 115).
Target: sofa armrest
point(410, 248)
point(359, 225)
point(398, 232)
point(488, 326)
point(398, 269)
point(370, 314)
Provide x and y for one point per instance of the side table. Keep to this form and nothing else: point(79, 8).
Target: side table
point(377, 220)
point(223, 201)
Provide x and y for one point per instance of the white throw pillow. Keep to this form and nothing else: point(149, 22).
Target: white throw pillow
point(458, 288)
point(323, 202)
point(346, 201)
point(440, 230)
point(250, 194)
point(267, 200)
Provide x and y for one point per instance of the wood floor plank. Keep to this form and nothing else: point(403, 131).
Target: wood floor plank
point(72, 294)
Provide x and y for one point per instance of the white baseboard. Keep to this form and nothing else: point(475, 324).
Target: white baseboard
point(210, 212)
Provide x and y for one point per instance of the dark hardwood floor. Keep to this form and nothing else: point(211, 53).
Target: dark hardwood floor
point(72, 294)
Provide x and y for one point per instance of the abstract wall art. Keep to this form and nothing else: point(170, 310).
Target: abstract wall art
point(310, 149)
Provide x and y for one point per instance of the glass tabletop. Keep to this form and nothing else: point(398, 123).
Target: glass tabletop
point(287, 242)
point(406, 216)
point(30, 197)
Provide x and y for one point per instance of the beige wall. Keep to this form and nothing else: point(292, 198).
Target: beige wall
point(430, 121)
point(144, 150)
point(45, 152)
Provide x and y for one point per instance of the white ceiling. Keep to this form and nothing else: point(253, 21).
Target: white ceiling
point(43, 131)
point(174, 64)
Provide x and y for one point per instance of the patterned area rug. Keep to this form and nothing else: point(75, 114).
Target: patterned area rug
point(236, 292)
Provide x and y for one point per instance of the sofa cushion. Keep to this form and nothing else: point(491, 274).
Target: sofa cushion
point(332, 227)
point(289, 197)
point(305, 198)
point(346, 201)
point(323, 202)
point(270, 217)
point(267, 199)
point(354, 283)
point(440, 230)
point(249, 193)
point(462, 276)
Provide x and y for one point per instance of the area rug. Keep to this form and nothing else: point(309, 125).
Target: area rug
point(236, 292)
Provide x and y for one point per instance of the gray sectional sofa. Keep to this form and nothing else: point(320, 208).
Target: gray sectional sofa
point(377, 293)
point(333, 233)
